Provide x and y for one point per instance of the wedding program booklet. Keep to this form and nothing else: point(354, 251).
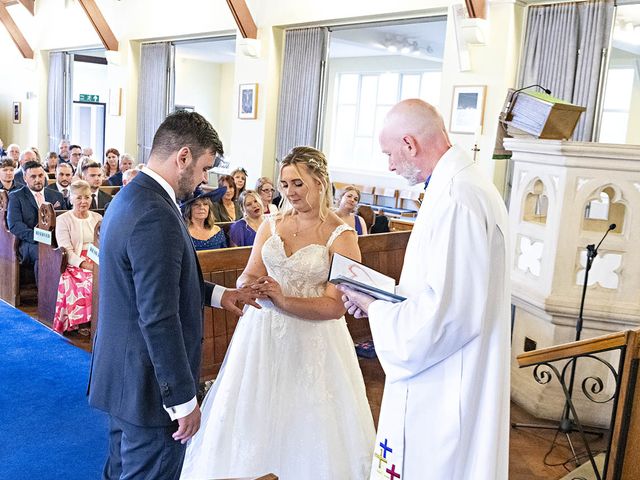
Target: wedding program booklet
point(363, 279)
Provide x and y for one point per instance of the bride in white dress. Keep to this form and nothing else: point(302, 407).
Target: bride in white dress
point(290, 398)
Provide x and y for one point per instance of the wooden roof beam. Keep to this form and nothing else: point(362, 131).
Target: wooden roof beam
point(15, 33)
point(243, 18)
point(29, 5)
point(100, 24)
point(476, 8)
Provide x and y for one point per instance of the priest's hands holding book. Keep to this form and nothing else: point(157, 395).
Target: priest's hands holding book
point(356, 303)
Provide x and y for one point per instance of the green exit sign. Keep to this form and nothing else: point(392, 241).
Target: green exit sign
point(86, 97)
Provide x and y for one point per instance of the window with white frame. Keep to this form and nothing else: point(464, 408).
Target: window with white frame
point(361, 101)
point(616, 105)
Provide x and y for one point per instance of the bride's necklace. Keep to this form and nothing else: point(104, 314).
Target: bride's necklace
point(298, 229)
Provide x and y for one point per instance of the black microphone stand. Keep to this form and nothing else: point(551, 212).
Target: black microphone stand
point(567, 424)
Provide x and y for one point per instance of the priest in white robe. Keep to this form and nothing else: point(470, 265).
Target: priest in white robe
point(445, 349)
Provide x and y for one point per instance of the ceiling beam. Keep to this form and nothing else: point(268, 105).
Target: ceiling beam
point(476, 8)
point(243, 18)
point(29, 5)
point(15, 33)
point(100, 24)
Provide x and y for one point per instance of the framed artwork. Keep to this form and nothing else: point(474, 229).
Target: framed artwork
point(248, 101)
point(17, 112)
point(467, 109)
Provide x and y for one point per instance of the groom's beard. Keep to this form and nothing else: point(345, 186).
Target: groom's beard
point(184, 190)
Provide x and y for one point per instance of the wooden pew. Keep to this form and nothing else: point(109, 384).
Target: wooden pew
point(384, 252)
point(9, 265)
point(52, 262)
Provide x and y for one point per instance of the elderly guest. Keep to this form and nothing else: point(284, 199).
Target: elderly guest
point(7, 171)
point(227, 209)
point(347, 206)
point(264, 186)
point(206, 235)
point(243, 232)
point(74, 232)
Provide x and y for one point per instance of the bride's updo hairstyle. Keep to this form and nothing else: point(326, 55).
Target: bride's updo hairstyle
point(316, 164)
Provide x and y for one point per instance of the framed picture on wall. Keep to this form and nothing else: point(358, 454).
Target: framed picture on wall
point(467, 108)
point(17, 112)
point(248, 101)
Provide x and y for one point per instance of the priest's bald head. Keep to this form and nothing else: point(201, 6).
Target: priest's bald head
point(414, 138)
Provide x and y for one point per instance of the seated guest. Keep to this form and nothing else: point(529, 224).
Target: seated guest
point(264, 186)
point(243, 232)
point(74, 232)
point(126, 164)
point(111, 165)
point(13, 152)
point(37, 152)
point(75, 154)
point(24, 158)
point(51, 162)
point(7, 171)
point(92, 174)
point(22, 211)
point(240, 178)
point(227, 209)
point(206, 235)
point(87, 152)
point(63, 151)
point(129, 175)
point(64, 174)
point(3, 153)
point(347, 206)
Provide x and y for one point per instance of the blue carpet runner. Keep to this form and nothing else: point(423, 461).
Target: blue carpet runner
point(48, 429)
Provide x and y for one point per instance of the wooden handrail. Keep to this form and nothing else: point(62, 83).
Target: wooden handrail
point(573, 349)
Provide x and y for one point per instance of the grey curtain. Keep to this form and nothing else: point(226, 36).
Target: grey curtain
point(300, 90)
point(563, 51)
point(154, 93)
point(59, 98)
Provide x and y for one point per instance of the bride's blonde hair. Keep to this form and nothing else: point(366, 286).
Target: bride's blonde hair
point(316, 164)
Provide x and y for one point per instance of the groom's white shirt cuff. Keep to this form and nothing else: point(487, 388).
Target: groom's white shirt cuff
point(182, 410)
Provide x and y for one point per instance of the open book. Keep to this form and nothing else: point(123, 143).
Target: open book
point(363, 279)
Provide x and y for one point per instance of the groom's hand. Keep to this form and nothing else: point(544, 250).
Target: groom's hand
point(234, 296)
point(188, 426)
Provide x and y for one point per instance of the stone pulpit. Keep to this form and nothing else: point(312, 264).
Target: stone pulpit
point(564, 196)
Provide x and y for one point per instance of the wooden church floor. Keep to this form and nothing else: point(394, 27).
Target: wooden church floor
point(527, 447)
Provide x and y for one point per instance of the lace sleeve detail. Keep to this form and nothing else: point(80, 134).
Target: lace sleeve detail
point(272, 223)
point(339, 229)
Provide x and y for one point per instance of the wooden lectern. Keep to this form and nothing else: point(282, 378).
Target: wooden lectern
point(623, 460)
point(541, 115)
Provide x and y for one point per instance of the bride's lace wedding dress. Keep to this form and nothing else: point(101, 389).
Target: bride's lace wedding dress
point(289, 398)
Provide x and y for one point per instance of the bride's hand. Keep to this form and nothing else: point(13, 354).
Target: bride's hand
point(271, 288)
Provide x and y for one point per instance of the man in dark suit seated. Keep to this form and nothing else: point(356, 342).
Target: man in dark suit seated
point(147, 350)
point(25, 156)
point(64, 174)
point(92, 174)
point(22, 211)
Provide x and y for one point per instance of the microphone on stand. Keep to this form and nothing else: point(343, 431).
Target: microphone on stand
point(507, 115)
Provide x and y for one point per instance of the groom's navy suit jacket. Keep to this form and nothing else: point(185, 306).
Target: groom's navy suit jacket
point(148, 343)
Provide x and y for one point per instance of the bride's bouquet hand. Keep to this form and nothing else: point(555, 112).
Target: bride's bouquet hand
point(271, 288)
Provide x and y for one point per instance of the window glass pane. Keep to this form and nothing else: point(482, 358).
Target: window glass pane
point(362, 151)
point(348, 90)
point(388, 88)
point(614, 127)
point(343, 134)
point(410, 87)
point(368, 93)
point(619, 85)
point(430, 87)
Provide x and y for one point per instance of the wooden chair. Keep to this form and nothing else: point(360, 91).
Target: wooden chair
point(367, 214)
point(110, 189)
point(52, 262)
point(9, 265)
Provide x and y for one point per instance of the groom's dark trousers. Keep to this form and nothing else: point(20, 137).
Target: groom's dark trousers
point(147, 347)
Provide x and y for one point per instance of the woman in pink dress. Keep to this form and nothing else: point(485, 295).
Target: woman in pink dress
point(74, 232)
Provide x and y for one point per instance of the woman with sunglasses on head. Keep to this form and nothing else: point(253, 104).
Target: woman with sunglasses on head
point(240, 178)
point(227, 209)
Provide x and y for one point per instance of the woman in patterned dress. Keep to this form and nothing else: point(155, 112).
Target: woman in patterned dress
point(74, 232)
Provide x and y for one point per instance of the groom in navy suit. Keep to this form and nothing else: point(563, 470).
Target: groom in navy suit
point(146, 355)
